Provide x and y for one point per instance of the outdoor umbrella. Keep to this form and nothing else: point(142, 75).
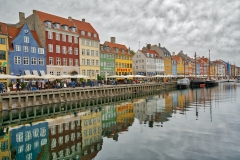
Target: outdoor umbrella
point(66, 76)
point(6, 76)
point(30, 76)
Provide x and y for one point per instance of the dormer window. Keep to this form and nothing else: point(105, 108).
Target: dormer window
point(101, 47)
point(57, 25)
point(95, 35)
point(89, 34)
point(48, 24)
point(122, 50)
point(116, 49)
point(73, 29)
point(65, 27)
point(82, 33)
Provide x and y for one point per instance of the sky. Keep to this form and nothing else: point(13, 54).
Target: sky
point(187, 25)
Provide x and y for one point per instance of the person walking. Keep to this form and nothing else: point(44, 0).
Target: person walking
point(1, 87)
point(18, 86)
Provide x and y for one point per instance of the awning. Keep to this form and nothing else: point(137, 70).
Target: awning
point(27, 72)
point(42, 73)
point(35, 72)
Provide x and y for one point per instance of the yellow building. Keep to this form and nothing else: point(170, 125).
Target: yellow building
point(4, 51)
point(5, 146)
point(89, 49)
point(180, 65)
point(123, 58)
point(125, 112)
point(168, 103)
point(91, 128)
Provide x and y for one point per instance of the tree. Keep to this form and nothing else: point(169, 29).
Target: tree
point(132, 52)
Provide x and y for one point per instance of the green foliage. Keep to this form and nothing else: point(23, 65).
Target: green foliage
point(99, 78)
point(81, 80)
point(23, 85)
point(10, 84)
point(132, 52)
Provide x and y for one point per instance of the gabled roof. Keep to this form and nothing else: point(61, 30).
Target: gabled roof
point(145, 51)
point(104, 49)
point(13, 32)
point(87, 27)
point(177, 58)
point(54, 19)
point(119, 46)
point(3, 29)
point(165, 51)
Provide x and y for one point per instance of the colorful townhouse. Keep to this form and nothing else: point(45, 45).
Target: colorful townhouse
point(205, 66)
point(4, 51)
point(4, 145)
point(89, 48)
point(174, 66)
point(180, 65)
point(163, 52)
point(123, 57)
point(107, 61)
point(109, 119)
point(26, 56)
point(60, 38)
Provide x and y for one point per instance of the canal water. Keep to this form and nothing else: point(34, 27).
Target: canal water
point(183, 124)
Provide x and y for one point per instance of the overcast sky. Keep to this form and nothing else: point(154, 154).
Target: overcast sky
point(188, 25)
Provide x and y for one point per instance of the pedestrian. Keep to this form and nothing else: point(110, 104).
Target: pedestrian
point(18, 86)
point(1, 87)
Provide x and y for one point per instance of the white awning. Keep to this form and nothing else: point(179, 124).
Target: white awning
point(42, 73)
point(27, 72)
point(35, 72)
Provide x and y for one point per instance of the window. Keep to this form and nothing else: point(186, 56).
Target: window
point(57, 49)
point(51, 61)
point(83, 61)
point(93, 72)
point(70, 62)
point(83, 72)
point(83, 51)
point(33, 49)
point(76, 62)
point(58, 61)
point(25, 60)
point(82, 33)
point(34, 61)
point(76, 40)
point(40, 61)
point(95, 35)
point(64, 50)
point(92, 62)
point(96, 53)
point(40, 51)
point(65, 27)
point(73, 29)
point(92, 43)
point(97, 62)
point(57, 25)
point(58, 36)
point(17, 60)
point(83, 41)
point(70, 39)
point(88, 62)
point(87, 42)
point(96, 44)
point(88, 52)
point(63, 37)
point(18, 48)
point(2, 40)
point(25, 48)
point(76, 51)
point(92, 52)
point(26, 39)
point(4, 146)
point(50, 35)
point(48, 24)
point(50, 47)
point(64, 61)
point(51, 73)
point(70, 50)
point(89, 34)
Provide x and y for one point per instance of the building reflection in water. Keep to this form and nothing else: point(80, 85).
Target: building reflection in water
point(79, 135)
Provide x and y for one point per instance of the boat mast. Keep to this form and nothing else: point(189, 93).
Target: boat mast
point(209, 65)
point(195, 65)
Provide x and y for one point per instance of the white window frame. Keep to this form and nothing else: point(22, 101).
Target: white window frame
point(17, 59)
point(33, 49)
point(96, 53)
point(50, 35)
point(40, 60)
point(69, 50)
point(75, 51)
point(25, 48)
point(40, 51)
point(70, 62)
point(82, 32)
point(64, 37)
point(26, 39)
point(51, 61)
point(50, 48)
point(83, 51)
point(26, 59)
point(89, 34)
point(58, 61)
point(76, 40)
point(18, 47)
point(83, 42)
point(83, 62)
point(69, 39)
point(64, 50)
point(57, 36)
point(92, 52)
point(57, 48)
point(64, 61)
point(76, 62)
point(33, 59)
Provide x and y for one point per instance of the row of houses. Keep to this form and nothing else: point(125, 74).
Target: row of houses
point(44, 43)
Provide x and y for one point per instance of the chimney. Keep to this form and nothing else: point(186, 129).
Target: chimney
point(202, 56)
point(159, 45)
point(21, 17)
point(113, 39)
point(173, 53)
point(83, 20)
point(70, 18)
point(148, 46)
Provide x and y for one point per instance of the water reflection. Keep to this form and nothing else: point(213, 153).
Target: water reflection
point(79, 135)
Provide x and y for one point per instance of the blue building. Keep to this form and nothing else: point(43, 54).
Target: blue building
point(174, 68)
point(27, 141)
point(198, 69)
point(25, 54)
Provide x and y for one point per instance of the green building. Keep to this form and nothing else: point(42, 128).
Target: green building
point(107, 61)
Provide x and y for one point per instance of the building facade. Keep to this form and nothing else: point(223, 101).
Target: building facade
point(4, 51)
point(107, 61)
point(26, 56)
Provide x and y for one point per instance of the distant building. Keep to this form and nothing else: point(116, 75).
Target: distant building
point(26, 56)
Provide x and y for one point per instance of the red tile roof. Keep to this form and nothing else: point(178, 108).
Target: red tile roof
point(177, 58)
point(3, 29)
point(87, 27)
point(151, 52)
point(119, 46)
point(103, 50)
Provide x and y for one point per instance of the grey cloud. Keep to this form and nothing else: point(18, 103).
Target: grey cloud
point(191, 25)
